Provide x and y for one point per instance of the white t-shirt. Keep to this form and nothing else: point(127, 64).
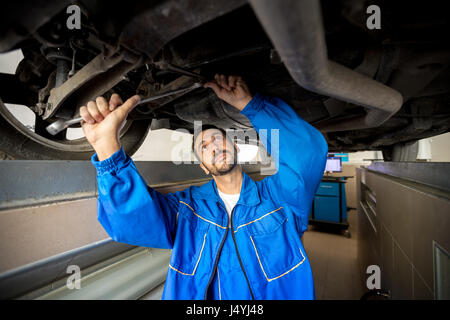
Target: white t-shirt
point(230, 201)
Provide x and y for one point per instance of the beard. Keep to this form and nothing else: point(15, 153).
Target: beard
point(225, 168)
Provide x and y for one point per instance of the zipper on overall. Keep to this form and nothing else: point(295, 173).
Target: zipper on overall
point(237, 252)
point(239, 257)
point(217, 257)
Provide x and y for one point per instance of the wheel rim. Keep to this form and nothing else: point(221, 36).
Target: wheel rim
point(66, 145)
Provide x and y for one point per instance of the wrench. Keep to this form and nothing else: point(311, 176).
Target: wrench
point(59, 125)
point(165, 66)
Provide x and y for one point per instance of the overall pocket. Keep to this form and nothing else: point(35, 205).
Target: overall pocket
point(190, 241)
point(275, 247)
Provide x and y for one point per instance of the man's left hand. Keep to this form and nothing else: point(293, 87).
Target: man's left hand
point(231, 89)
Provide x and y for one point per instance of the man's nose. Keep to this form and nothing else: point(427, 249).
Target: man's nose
point(215, 149)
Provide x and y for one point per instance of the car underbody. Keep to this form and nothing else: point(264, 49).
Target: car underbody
point(363, 89)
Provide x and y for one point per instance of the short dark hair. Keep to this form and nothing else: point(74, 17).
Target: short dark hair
point(197, 133)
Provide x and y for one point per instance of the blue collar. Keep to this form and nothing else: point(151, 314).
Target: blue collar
point(249, 192)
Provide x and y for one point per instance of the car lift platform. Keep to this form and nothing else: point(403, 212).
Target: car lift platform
point(403, 227)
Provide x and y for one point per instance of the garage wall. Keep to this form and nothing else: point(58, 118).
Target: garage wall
point(440, 148)
point(350, 185)
point(10, 60)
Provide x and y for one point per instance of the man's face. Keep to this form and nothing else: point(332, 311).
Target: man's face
point(217, 154)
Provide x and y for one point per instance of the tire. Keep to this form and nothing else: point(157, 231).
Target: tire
point(401, 152)
point(4, 156)
point(20, 143)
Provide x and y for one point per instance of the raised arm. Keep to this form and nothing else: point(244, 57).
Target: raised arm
point(129, 210)
point(302, 152)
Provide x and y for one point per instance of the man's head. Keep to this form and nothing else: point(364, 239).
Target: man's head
point(217, 153)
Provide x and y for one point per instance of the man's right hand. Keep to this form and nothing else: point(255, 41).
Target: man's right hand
point(102, 122)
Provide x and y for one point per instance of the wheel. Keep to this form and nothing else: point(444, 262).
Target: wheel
point(20, 142)
point(401, 151)
point(347, 234)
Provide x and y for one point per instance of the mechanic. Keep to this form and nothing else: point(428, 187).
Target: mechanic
point(231, 238)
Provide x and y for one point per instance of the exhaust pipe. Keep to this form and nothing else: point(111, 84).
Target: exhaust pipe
point(295, 28)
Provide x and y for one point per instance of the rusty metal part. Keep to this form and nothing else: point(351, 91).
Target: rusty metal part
point(368, 67)
point(94, 79)
point(61, 124)
point(171, 93)
point(181, 82)
point(153, 28)
point(238, 53)
point(147, 33)
point(45, 91)
point(163, 65)
point(296, 29)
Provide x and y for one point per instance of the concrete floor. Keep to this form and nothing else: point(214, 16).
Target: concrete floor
point(333, 259)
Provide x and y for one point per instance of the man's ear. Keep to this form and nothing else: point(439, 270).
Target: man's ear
point(204, 168)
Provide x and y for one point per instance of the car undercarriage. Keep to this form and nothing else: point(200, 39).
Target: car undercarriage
point(364, 89)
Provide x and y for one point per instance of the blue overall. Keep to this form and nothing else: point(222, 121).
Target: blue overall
point(261, 256)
